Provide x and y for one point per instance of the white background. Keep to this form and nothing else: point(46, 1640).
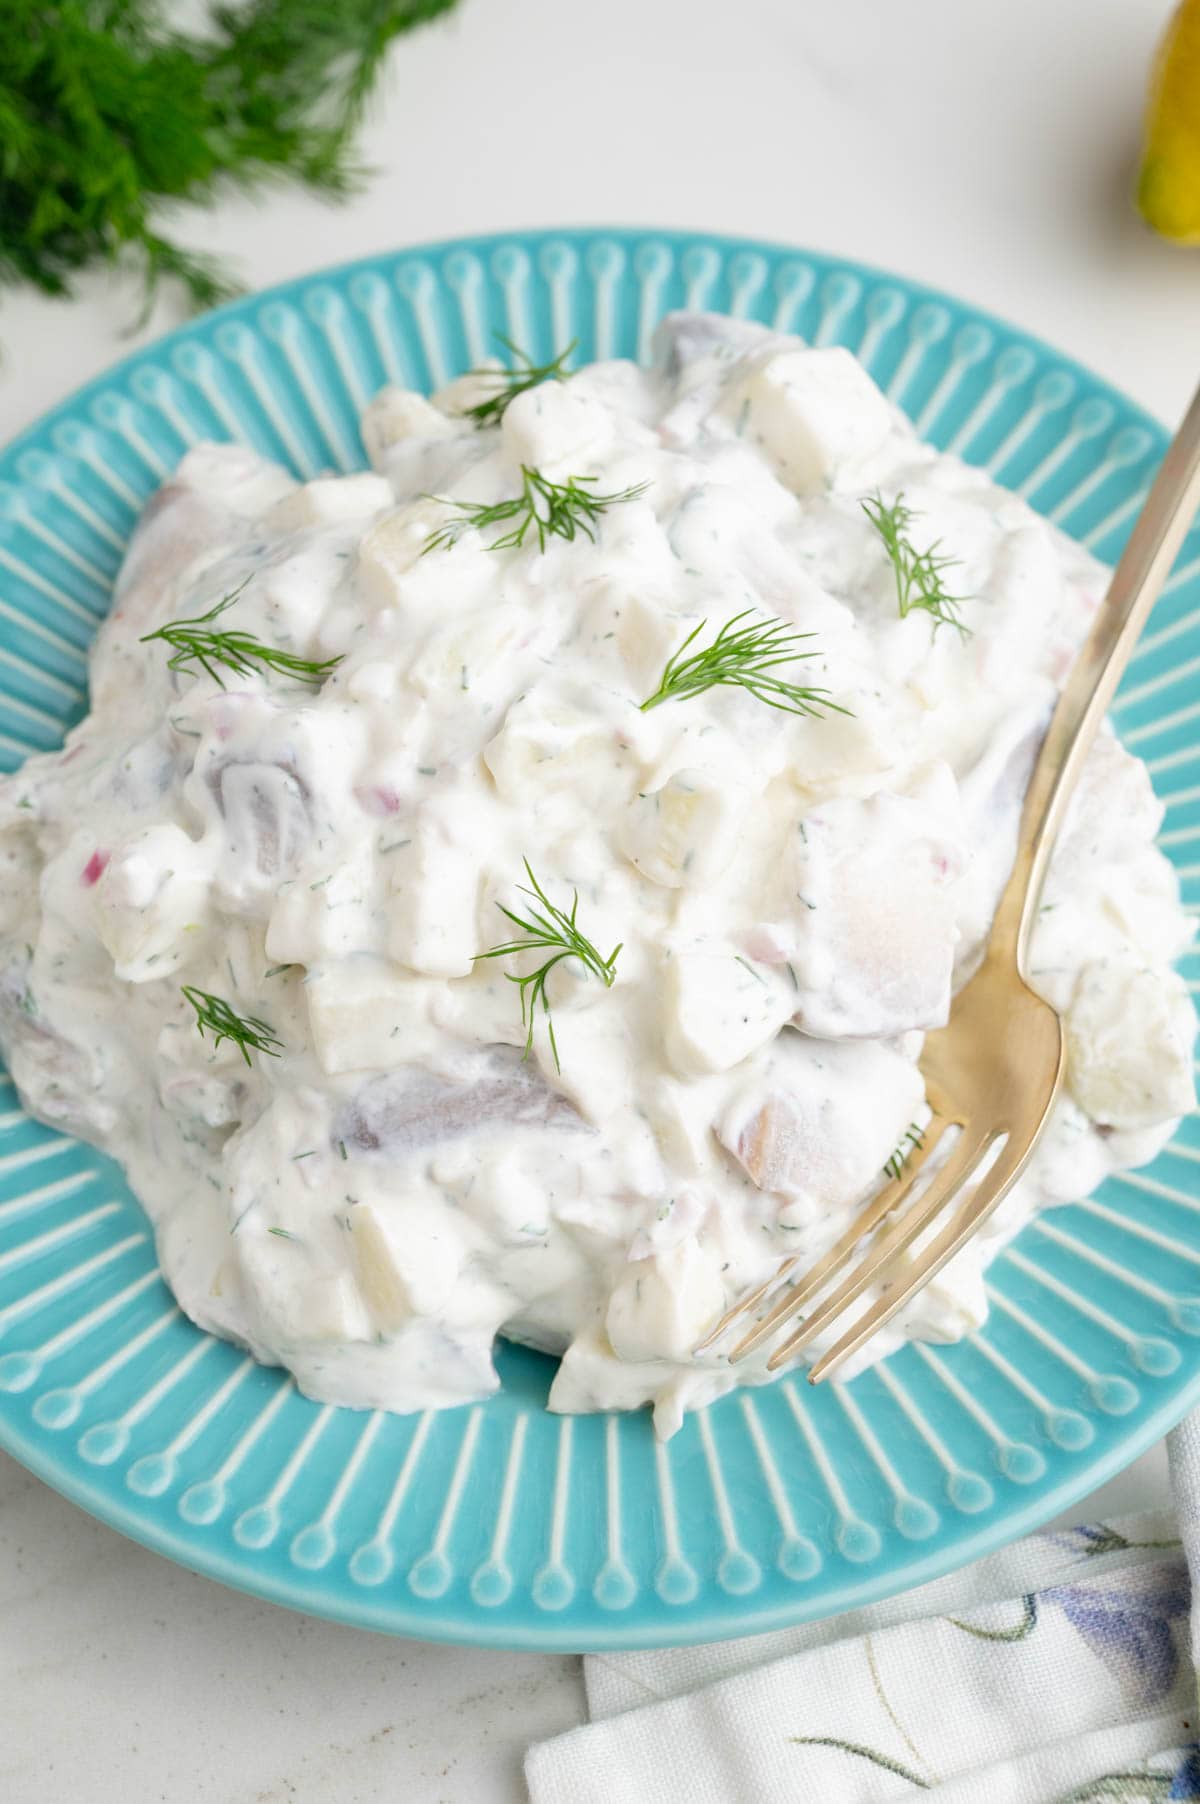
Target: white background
point(985, 149)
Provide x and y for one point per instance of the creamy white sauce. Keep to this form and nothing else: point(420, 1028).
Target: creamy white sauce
point(794, 898)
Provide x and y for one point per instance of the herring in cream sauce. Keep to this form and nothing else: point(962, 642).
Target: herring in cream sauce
point(795, 898)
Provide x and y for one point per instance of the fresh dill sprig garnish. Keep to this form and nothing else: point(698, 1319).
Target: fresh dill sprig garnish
point(524, 375)
point(912, 1138)
point(112, 114)
point(919, 582)
point(551, 929)
point(743, 657)
point(246, 1031)
point(196, 642)
point(552, 509)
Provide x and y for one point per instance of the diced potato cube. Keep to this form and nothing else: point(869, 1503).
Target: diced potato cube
point(1072, 1158)
point(640, 624)
point(239, 478)
point(470, 656)
point(661, 1306)
point(359, 1010)
point(396, 414)
point(648, 636)
point(1130, 1032)
point(552, 425)
point(149, 902)
point(405, 1265)
point(718, 1009)
point(331, 920)
point(329, 1307)
point(292, 597)
point(1039, 619)
point(684, 832)
point(434, 901)
point(392, 547)
point(330, 500)
point(953, 1304)
point(699, 746)
point(455, 399)
point(375, 680)
point(848, 754)
point(380, 1274)
point(553, 746)
point(590, 1377)
point(682, 1128)
point(816, 414)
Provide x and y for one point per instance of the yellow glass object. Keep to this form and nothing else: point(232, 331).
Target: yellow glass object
point(1168, 193)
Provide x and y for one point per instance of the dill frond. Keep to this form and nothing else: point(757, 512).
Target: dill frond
point(214, 1015)
point(559, 510)
point(551, 929)
point(196, 642)
point(524, 375)
point(919, 578)
point(743, 657)
point(912, 1138)
point(110, 116)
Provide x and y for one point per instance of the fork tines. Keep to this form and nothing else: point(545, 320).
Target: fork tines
point(915, 1211)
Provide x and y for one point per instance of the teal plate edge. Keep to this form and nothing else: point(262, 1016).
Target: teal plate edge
point(498, 1524)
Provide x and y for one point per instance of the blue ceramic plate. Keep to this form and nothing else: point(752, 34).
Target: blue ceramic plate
point(500, 1523)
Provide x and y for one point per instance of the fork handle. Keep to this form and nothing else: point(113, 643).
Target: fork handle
point(1145, 564)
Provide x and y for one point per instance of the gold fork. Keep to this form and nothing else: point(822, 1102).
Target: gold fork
point(994, 1070)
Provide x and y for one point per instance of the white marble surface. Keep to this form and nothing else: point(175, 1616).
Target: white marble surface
point(126, 1680)
point(985, 149)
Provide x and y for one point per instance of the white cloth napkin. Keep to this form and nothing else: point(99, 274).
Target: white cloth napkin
point(1058, 1671)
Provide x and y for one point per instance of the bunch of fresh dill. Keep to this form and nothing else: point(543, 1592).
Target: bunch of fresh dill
point(109, 117)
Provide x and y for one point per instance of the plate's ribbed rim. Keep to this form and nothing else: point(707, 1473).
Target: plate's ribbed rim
point(860, 1563)
point(481, 243)
point(554, 1637)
